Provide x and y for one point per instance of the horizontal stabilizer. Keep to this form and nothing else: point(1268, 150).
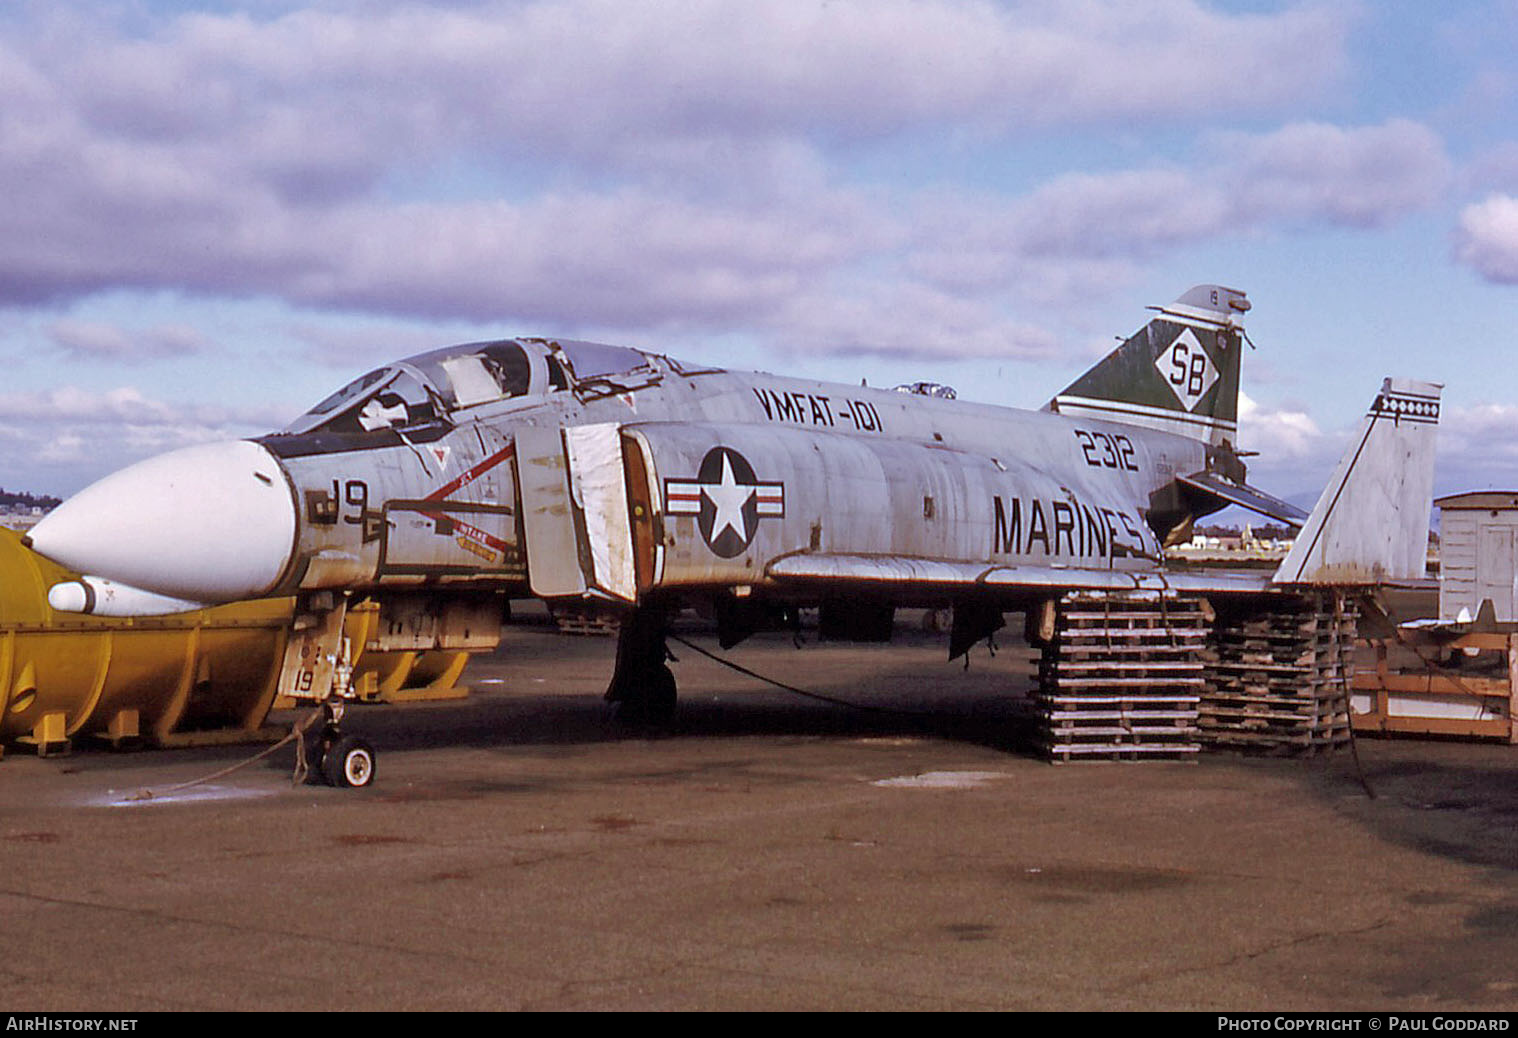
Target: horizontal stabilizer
point(1246, 497)
point(1370, 525)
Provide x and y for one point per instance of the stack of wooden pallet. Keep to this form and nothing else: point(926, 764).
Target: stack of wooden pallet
point(1121, 679)
point(1277, 677)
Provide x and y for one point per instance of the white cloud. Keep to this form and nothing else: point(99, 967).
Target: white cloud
point(903, 320)
point(1478, 448)
point(591, 75)
point(59, 439)
point(1356, 177)
point(1283, 434)
point(1487, 239)
point(676, 168)
point(1064, 238)
point(640, 257)
point(83, 340)
point(632, 256)
point(1093, 229)
point(128, 403)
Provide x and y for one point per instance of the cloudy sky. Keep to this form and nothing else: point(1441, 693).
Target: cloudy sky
point(214, 213)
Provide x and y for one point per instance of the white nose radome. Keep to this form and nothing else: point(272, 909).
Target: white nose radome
point(214, 523)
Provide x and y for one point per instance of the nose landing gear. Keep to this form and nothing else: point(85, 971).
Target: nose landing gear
point(329, 756)
point(349, 763)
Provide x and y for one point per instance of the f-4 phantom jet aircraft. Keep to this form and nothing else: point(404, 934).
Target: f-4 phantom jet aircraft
point(577, 472)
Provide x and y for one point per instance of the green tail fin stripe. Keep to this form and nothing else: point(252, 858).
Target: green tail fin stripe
point(1180, 372)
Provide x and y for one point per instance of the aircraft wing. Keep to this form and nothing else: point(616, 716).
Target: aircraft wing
point(902, 571)
point(979, 591)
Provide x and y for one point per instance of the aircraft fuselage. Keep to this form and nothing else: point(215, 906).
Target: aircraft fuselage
point(738, 470)
point(560, 468)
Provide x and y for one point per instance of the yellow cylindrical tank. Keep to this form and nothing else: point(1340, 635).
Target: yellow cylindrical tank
point(203, 676)
point(159, 679)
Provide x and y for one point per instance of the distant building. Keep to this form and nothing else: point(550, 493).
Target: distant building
point(1222, 541)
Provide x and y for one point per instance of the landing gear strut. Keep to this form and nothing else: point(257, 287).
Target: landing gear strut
point(318, 668)
point(643, 686)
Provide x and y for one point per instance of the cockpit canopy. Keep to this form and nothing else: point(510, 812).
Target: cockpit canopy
point(420, 393)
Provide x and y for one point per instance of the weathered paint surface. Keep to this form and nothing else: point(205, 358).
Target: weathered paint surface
point(417, 474)
point(571, 469)
point(1371, 522)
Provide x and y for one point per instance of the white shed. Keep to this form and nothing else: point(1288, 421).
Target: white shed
point(1478, 553)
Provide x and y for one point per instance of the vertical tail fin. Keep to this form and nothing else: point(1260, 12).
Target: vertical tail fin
point(1179, 373)
point(1371, 522)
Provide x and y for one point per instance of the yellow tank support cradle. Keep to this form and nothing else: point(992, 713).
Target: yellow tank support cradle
point(201, 677)
point(432, 675)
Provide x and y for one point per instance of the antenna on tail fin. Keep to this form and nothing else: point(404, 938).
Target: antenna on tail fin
point(1179, 373)
point(1371, 523)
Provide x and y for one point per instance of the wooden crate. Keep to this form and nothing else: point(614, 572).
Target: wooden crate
point(1407, 691)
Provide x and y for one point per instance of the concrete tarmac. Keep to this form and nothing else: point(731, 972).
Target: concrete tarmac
point(520, 850)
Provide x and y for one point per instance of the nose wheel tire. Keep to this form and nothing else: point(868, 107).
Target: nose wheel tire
point(349, 763)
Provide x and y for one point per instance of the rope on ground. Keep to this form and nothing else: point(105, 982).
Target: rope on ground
point(792, 688)
point(297, 732)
